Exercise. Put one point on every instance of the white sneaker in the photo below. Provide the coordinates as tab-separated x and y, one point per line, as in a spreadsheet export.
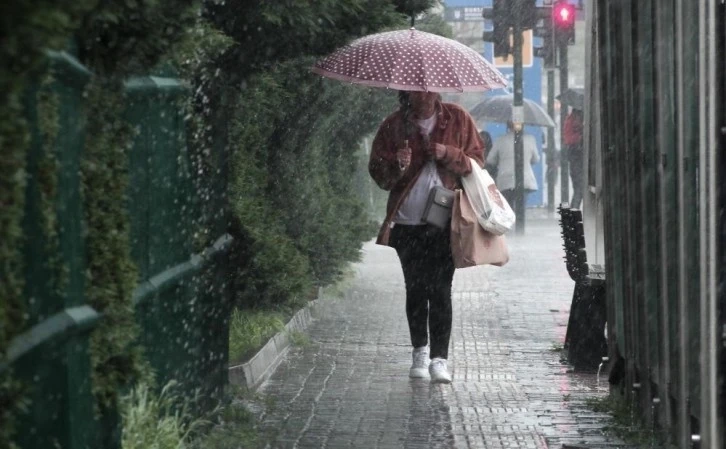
439	371
420	363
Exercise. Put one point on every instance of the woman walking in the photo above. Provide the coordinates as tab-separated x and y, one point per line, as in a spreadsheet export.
425	143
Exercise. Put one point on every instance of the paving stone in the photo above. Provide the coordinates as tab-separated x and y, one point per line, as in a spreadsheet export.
349	388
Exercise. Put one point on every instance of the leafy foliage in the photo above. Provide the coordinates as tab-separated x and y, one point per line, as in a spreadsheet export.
126	37
295	195
277	30
414	7
47	176
111	273
117	39
13	140
292	141
270	267
293	198
26	30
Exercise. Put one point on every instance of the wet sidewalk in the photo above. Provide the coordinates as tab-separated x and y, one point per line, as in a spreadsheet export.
349	387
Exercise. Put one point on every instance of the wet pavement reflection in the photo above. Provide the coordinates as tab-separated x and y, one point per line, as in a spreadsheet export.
349	386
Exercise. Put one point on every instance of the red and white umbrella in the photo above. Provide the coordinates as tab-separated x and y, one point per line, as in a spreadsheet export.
411	60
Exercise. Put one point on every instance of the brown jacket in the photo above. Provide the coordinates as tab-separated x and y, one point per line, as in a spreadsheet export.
454	128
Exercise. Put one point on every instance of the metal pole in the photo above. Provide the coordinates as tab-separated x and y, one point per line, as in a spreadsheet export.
708	174
564	164
551	150
517	119
683	409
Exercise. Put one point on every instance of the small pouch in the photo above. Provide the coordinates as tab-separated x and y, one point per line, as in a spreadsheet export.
438	207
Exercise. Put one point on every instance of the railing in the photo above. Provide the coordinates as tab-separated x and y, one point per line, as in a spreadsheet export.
182	300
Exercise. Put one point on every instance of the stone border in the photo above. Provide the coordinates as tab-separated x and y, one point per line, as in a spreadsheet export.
254	372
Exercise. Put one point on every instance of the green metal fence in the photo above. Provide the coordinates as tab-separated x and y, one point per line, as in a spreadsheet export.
182	300
659	110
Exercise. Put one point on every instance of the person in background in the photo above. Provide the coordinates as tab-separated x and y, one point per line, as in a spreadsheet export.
423	144
486	138
572	138
502	156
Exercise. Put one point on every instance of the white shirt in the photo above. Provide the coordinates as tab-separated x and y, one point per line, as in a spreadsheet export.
412	208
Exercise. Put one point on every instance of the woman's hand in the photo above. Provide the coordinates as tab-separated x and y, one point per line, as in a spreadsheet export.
437	150
403	155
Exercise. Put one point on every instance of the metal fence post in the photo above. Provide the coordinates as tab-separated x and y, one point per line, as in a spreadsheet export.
51	357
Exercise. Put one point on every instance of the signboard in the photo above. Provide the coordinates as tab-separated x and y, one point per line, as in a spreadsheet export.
527	52
464	14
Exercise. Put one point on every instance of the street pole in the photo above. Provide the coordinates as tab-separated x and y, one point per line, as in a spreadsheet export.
551	150
517	119
564	163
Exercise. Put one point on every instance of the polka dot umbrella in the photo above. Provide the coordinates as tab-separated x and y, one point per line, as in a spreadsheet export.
411	60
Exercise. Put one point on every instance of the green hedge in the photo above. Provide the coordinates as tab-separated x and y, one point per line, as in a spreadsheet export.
28	29
117	39
299	216
113	39
296	199
291	140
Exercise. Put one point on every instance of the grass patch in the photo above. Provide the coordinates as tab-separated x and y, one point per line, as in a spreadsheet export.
249	330
233	428
160	421
626	423
299	339
164	421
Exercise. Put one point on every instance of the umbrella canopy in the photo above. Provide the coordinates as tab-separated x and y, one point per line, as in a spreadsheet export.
499	109
574	97
411	60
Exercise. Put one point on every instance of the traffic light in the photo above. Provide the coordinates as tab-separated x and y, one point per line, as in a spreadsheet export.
500	15
547	52
563	19
530	13
544	29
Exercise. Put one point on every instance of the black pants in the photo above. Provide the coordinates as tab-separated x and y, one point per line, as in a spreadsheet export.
428	270
575	160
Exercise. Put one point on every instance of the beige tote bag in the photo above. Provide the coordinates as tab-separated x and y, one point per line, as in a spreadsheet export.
470	244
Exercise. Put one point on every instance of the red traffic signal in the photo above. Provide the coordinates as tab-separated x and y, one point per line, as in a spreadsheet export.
564	15
563	19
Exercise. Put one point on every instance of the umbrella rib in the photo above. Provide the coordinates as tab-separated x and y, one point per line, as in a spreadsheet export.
453	70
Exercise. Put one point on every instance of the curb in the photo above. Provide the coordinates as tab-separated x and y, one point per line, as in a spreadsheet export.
253	373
